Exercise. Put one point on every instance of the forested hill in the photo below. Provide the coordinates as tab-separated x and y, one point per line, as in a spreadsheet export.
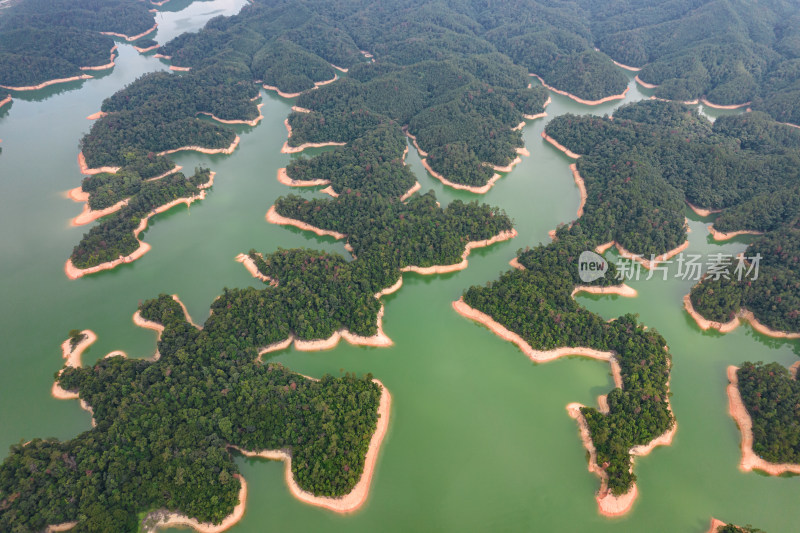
642	166
43	40
164	427
728	51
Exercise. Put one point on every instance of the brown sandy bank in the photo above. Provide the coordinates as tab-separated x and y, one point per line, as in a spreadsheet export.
750	461
131	37
74	272
358	496
560	146
477	190
445	269
274	218
743	315
581	100
722	236
47	83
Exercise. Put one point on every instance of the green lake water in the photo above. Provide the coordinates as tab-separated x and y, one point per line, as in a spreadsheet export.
479	438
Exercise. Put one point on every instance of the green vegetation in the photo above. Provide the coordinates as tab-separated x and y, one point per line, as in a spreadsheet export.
114	236
728	52
42	40
771	396
372	164
384	231
536	303
163	427
773	296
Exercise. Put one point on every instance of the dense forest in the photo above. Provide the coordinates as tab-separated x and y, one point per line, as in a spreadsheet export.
727	52
536	303
43	40
113	236
772	398
371	164
641	167
163	427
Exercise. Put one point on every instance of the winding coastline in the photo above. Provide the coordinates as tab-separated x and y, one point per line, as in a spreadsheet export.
286	149
738	411
353	500
47	83
317	84
251	267
446	269
253	122
284	179
74	272
722	236
742	315
131	37
229	150
701	212
274	218
581	100
560	146
477	190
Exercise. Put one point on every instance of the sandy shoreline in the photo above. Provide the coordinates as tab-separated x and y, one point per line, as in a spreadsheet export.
47	83
581	100
95	116
620	290
132	37
379	340
148	49
274	218
317	85
228	150
57	528
74	272
699	211
251	267
253	122
173	519
89	215
445	269
560	146
72	358
176	68
108	65
537	356
413	138
715	525
358	496
298	109
644	83
738	411
477	190
646	263
284	179
742	315
720	106
722	236
92	171
4	101
286	149
626	67
410	192
581	188
608	504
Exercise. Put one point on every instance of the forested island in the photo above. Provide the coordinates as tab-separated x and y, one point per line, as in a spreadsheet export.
204	394
535	303
50	41
764	400
642	167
